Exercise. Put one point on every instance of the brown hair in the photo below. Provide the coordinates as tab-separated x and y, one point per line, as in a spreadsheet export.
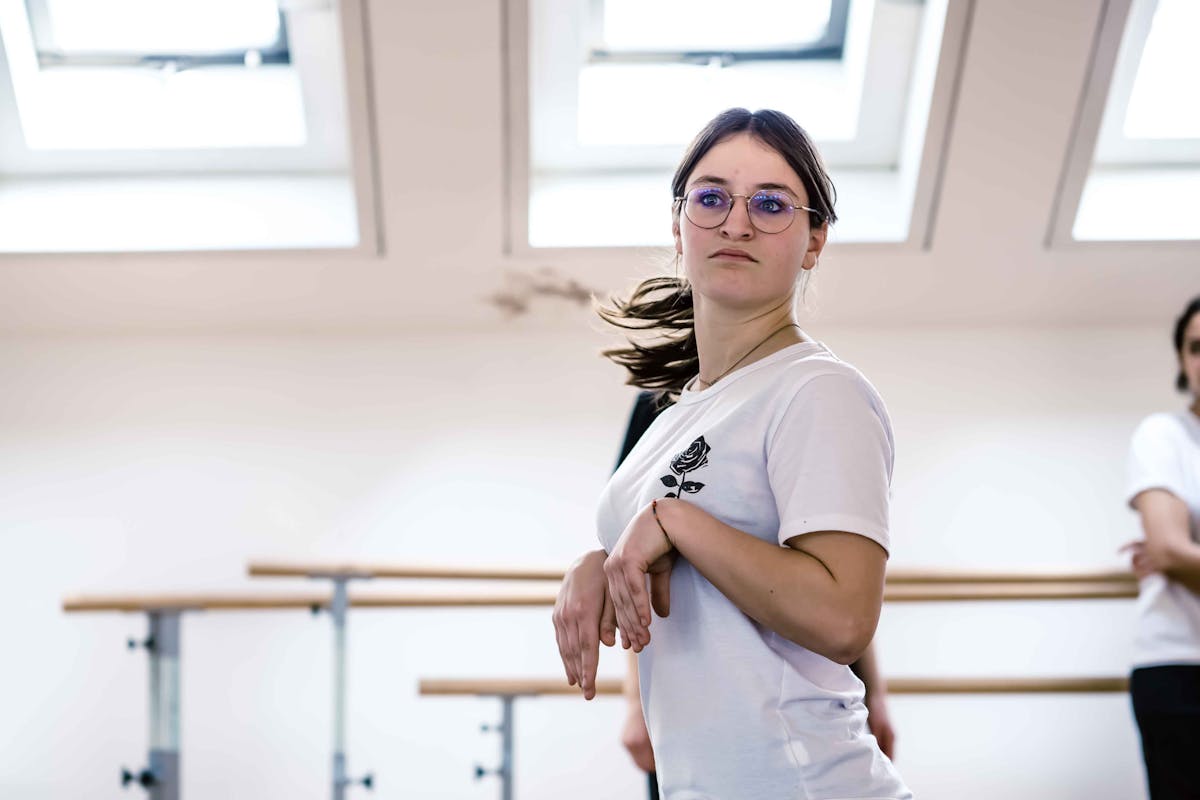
1185	319
663	305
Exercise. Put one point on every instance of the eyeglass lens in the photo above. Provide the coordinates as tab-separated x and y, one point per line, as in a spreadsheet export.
771	211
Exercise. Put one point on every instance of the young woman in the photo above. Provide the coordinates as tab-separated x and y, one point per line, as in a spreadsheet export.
745	536
1164	488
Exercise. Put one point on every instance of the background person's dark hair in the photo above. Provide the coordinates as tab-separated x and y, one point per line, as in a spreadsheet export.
1185	319
663	306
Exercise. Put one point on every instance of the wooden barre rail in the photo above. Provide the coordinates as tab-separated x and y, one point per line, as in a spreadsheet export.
292	569
309	600
288	569
516	687
935	592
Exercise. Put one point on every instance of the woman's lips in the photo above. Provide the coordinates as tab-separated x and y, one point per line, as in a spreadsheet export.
733	255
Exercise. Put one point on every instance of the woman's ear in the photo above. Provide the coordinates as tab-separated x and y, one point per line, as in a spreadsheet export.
816	243
678	237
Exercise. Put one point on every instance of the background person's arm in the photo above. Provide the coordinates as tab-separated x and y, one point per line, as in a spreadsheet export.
634	735
1168	547
878	718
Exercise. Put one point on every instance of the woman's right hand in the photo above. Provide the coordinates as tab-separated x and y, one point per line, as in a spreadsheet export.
636	738
584	617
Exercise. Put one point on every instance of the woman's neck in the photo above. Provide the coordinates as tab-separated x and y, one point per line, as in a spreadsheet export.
729	340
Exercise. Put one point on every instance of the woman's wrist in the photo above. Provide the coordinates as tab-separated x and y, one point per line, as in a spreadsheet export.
669	513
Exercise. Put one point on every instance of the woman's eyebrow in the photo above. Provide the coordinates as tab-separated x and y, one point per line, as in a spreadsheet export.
723	182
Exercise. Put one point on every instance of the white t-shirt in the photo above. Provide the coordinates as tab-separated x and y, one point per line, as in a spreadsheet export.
796	442
1165	454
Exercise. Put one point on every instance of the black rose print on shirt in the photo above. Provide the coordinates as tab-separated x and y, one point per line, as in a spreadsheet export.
690	460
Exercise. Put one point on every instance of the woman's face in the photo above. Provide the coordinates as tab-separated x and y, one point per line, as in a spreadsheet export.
1189	355
734	264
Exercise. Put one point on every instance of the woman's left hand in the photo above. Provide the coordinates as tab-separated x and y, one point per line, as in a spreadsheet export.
642	550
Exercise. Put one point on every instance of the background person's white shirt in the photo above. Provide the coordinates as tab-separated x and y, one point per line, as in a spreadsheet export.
1165	454
794	443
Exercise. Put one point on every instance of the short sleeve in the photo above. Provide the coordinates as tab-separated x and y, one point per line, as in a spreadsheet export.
829	460
1155	460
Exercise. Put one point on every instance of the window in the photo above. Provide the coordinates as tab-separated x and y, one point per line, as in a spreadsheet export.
612	90
184	75
244	102
1135	168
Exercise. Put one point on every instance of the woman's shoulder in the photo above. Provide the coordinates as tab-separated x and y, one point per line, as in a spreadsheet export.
820	370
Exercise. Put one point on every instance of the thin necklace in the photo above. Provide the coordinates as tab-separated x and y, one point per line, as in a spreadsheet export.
708	383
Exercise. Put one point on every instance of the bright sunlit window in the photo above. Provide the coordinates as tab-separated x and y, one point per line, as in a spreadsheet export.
687	26
152	74
149	125
617	88
1148	145
150	27
1163	103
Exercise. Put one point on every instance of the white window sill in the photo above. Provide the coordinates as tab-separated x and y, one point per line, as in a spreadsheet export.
634	209
75	215
1139	205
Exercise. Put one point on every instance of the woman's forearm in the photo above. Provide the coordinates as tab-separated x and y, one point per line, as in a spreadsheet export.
1166	523
826	608
1181	562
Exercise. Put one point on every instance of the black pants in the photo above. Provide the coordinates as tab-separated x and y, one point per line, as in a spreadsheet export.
1166	704
653	780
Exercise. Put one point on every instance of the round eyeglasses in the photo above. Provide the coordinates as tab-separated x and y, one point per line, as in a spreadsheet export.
770	210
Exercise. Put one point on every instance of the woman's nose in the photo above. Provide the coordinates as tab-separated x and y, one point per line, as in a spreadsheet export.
738	225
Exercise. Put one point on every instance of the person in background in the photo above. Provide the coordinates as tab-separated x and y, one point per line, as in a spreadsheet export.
1164	489
634	736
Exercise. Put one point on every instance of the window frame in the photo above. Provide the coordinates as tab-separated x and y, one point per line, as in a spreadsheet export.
924	175
1109	47
1113	147
49	53
351	29
830	47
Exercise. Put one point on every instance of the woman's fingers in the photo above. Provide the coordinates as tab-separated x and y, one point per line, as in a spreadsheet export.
572	635
588	657
660	593
608	622
560	637
621	607
635	579
623	583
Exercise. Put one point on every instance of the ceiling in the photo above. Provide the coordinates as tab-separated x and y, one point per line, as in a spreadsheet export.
439	117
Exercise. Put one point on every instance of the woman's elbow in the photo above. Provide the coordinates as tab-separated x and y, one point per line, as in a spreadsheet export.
843	642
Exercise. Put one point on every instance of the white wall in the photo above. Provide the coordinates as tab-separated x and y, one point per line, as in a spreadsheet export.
164	462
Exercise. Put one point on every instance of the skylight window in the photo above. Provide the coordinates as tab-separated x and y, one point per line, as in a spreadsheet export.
689	27
1140	110
152	74
153	125
607	93
1166	76
145	27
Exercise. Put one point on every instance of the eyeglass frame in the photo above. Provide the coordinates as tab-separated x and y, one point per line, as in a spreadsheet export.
746	198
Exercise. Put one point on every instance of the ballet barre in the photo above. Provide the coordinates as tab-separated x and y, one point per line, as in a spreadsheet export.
368	570
536	687
361	570
164	613
509	690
